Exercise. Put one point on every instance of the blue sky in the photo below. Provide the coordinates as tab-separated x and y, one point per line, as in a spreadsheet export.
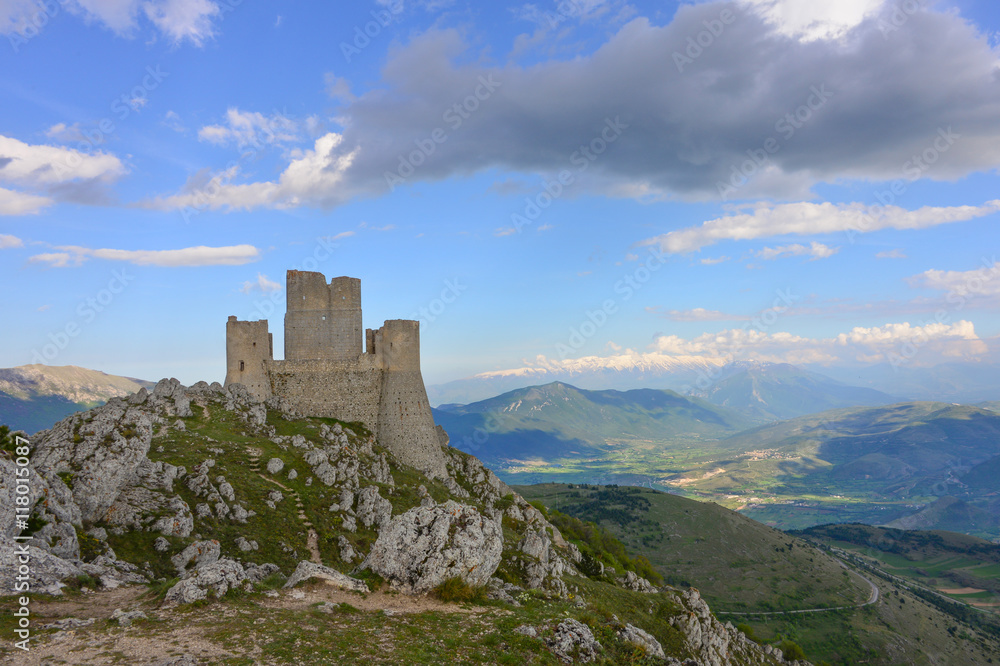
538	183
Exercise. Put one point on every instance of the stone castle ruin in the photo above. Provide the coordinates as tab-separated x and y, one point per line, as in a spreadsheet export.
327	373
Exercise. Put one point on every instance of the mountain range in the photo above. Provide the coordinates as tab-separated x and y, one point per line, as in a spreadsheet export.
955	382
34	397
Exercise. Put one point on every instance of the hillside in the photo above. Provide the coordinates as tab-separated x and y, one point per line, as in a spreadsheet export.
873	465
963	567
739	564
560	421
233	511
35	397
777	391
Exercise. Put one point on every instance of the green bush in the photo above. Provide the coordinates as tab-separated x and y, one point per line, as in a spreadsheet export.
791	650
458	591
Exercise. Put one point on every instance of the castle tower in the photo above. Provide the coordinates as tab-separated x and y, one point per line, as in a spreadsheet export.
249	347
323	321
405	424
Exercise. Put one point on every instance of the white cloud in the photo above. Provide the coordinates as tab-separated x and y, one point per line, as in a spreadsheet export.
39	165
809	20
814	250
8	241
262	284
983	281
805	218
713	261
52	173
313	177
19	203
177	19
891	254
245	128
183	19
925	344
73	255
172	119
697	314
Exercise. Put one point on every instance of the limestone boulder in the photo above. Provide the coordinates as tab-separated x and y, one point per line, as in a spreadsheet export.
642	639
420	549
216	578
306	570
572	642
373	509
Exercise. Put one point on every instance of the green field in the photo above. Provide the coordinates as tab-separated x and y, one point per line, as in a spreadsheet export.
744	568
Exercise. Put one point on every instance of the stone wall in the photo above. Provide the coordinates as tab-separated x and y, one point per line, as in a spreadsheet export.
249	347
346	390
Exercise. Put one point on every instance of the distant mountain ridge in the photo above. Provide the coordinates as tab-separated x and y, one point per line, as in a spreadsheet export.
778	391
559	420
34	397
622	372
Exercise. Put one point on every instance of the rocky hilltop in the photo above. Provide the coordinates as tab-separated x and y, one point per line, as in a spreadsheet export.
208	495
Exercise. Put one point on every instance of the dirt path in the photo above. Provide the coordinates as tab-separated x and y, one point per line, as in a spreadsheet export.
312	538
187	636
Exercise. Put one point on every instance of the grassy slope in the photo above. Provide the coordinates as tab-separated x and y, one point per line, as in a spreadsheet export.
736	563
248	625
705	540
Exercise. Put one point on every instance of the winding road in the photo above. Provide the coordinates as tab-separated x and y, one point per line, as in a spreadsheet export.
871	599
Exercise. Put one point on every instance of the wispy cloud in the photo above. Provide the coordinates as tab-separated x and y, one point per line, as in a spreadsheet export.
74	255
179	20
806	218
261	284
936	341
246	128
8	241
813	250
891	254
696	314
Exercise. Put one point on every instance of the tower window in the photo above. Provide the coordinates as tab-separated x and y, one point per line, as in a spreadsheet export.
241	366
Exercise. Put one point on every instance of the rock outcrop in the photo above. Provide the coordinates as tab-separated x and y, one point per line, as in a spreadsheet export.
425	546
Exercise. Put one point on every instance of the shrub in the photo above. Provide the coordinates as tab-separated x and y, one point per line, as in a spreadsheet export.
458	591
791	650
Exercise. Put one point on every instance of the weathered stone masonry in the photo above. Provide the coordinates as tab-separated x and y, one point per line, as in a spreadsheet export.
327	373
